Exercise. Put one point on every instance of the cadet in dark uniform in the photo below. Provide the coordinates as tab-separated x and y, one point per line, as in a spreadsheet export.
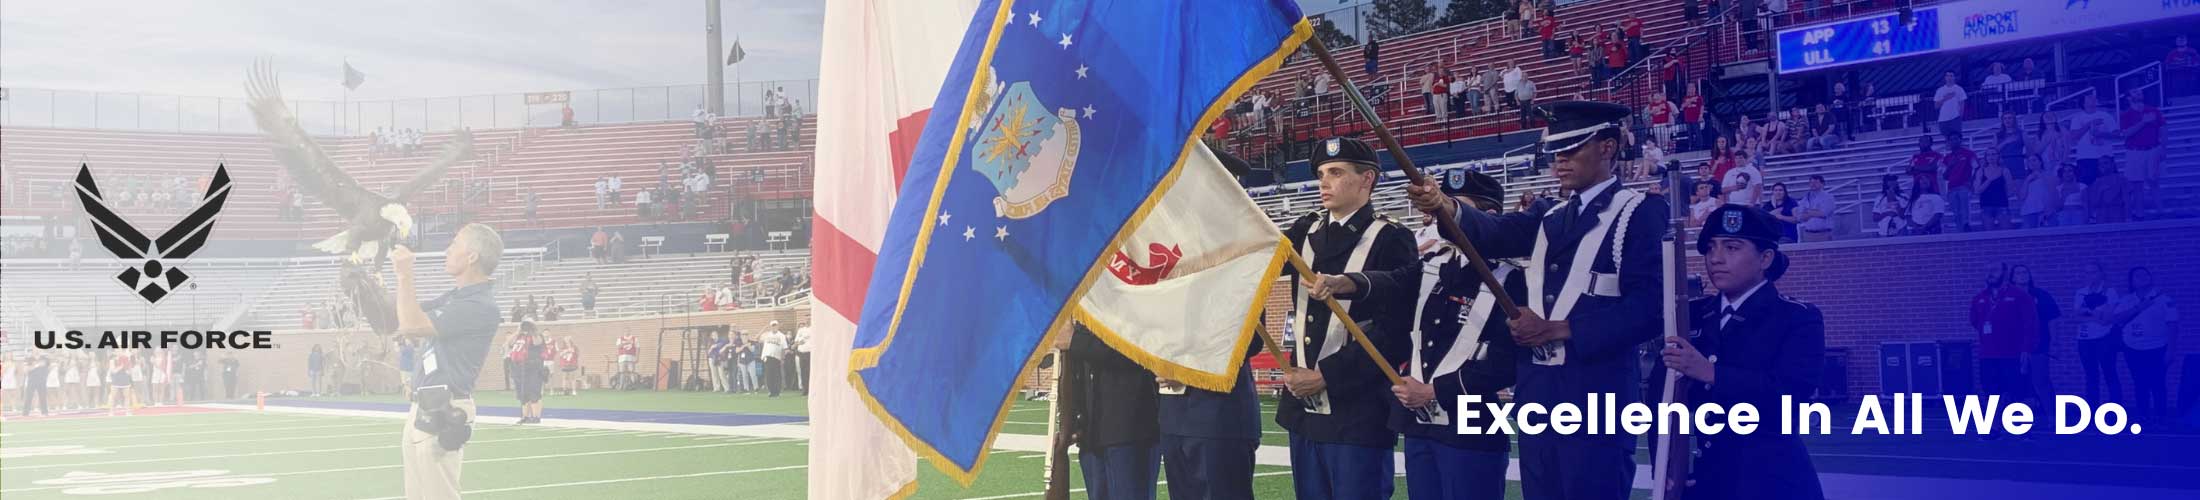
1112	418
1747	345
1594	272
1339	401
1208	438
1460	346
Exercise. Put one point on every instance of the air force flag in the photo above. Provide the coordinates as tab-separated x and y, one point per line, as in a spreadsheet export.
1060	125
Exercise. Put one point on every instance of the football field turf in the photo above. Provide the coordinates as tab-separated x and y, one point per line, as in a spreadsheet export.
686	445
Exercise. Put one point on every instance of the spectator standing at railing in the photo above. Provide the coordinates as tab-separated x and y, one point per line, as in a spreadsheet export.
1692	117
1949	99
2181	75
589	291
1996	79
1925	164
1510	84
1526	99
1670	72
1371	52
2042	196
1866	107
599	246
1617	54
1844	111
1991	183
2107	198
1546	29
1632	27
1524	12
2073	194
1427	84
1814	210
603	193
1662	115
1464	100
1744	184
2092	129
2012	147
1441	87
2143	138
1956	168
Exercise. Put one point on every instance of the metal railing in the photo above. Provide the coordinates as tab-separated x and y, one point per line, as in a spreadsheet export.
37	107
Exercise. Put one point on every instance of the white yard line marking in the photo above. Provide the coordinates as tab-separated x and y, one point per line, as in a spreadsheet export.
623	480
230	431
275	453
492	460
110	425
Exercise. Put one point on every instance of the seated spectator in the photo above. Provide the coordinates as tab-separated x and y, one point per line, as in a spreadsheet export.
1891	211
1825	130
1926	210
1783	209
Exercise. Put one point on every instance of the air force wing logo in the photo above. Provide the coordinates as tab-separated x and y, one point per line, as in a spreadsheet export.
1027	151
150	278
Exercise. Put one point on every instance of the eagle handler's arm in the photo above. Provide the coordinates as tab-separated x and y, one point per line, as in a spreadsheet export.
412	321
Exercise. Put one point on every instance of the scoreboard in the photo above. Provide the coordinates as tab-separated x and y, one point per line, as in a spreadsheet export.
1960	25
1860	40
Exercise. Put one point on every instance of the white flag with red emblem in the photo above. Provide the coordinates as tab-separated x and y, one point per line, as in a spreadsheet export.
880	68
1183	295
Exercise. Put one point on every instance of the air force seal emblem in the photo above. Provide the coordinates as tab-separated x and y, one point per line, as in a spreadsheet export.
1027	151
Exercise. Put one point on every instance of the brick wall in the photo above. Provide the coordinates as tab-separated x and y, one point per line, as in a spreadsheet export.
1919	288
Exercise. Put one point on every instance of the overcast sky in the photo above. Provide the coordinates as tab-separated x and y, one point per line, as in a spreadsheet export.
407	48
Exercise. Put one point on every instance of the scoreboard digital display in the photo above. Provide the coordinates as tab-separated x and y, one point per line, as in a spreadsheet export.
1859	40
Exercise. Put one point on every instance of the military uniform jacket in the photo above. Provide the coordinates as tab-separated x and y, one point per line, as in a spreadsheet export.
1200	413
1454	360
1390	272
1611	300
1771	347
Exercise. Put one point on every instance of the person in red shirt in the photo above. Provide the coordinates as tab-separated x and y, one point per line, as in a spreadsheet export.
1617	53
1670	72
1546	28
2007	321
1661	120
2183	68
629	351
1692	116
1633	28
2142	126
1925	166
709	302
569	363
1956	169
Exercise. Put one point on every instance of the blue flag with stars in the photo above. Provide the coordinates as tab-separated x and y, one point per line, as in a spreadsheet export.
1058	128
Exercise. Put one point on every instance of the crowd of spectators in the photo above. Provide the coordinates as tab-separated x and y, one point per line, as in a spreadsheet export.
402	142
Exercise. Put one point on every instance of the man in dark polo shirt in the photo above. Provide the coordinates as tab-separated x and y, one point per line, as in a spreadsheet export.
458	327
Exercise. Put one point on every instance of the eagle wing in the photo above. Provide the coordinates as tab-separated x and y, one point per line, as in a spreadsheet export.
310	167
461	148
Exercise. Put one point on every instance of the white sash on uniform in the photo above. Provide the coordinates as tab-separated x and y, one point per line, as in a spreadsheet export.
1332	338
1579	279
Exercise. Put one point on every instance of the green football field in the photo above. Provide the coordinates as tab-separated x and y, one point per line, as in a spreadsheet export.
232	452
